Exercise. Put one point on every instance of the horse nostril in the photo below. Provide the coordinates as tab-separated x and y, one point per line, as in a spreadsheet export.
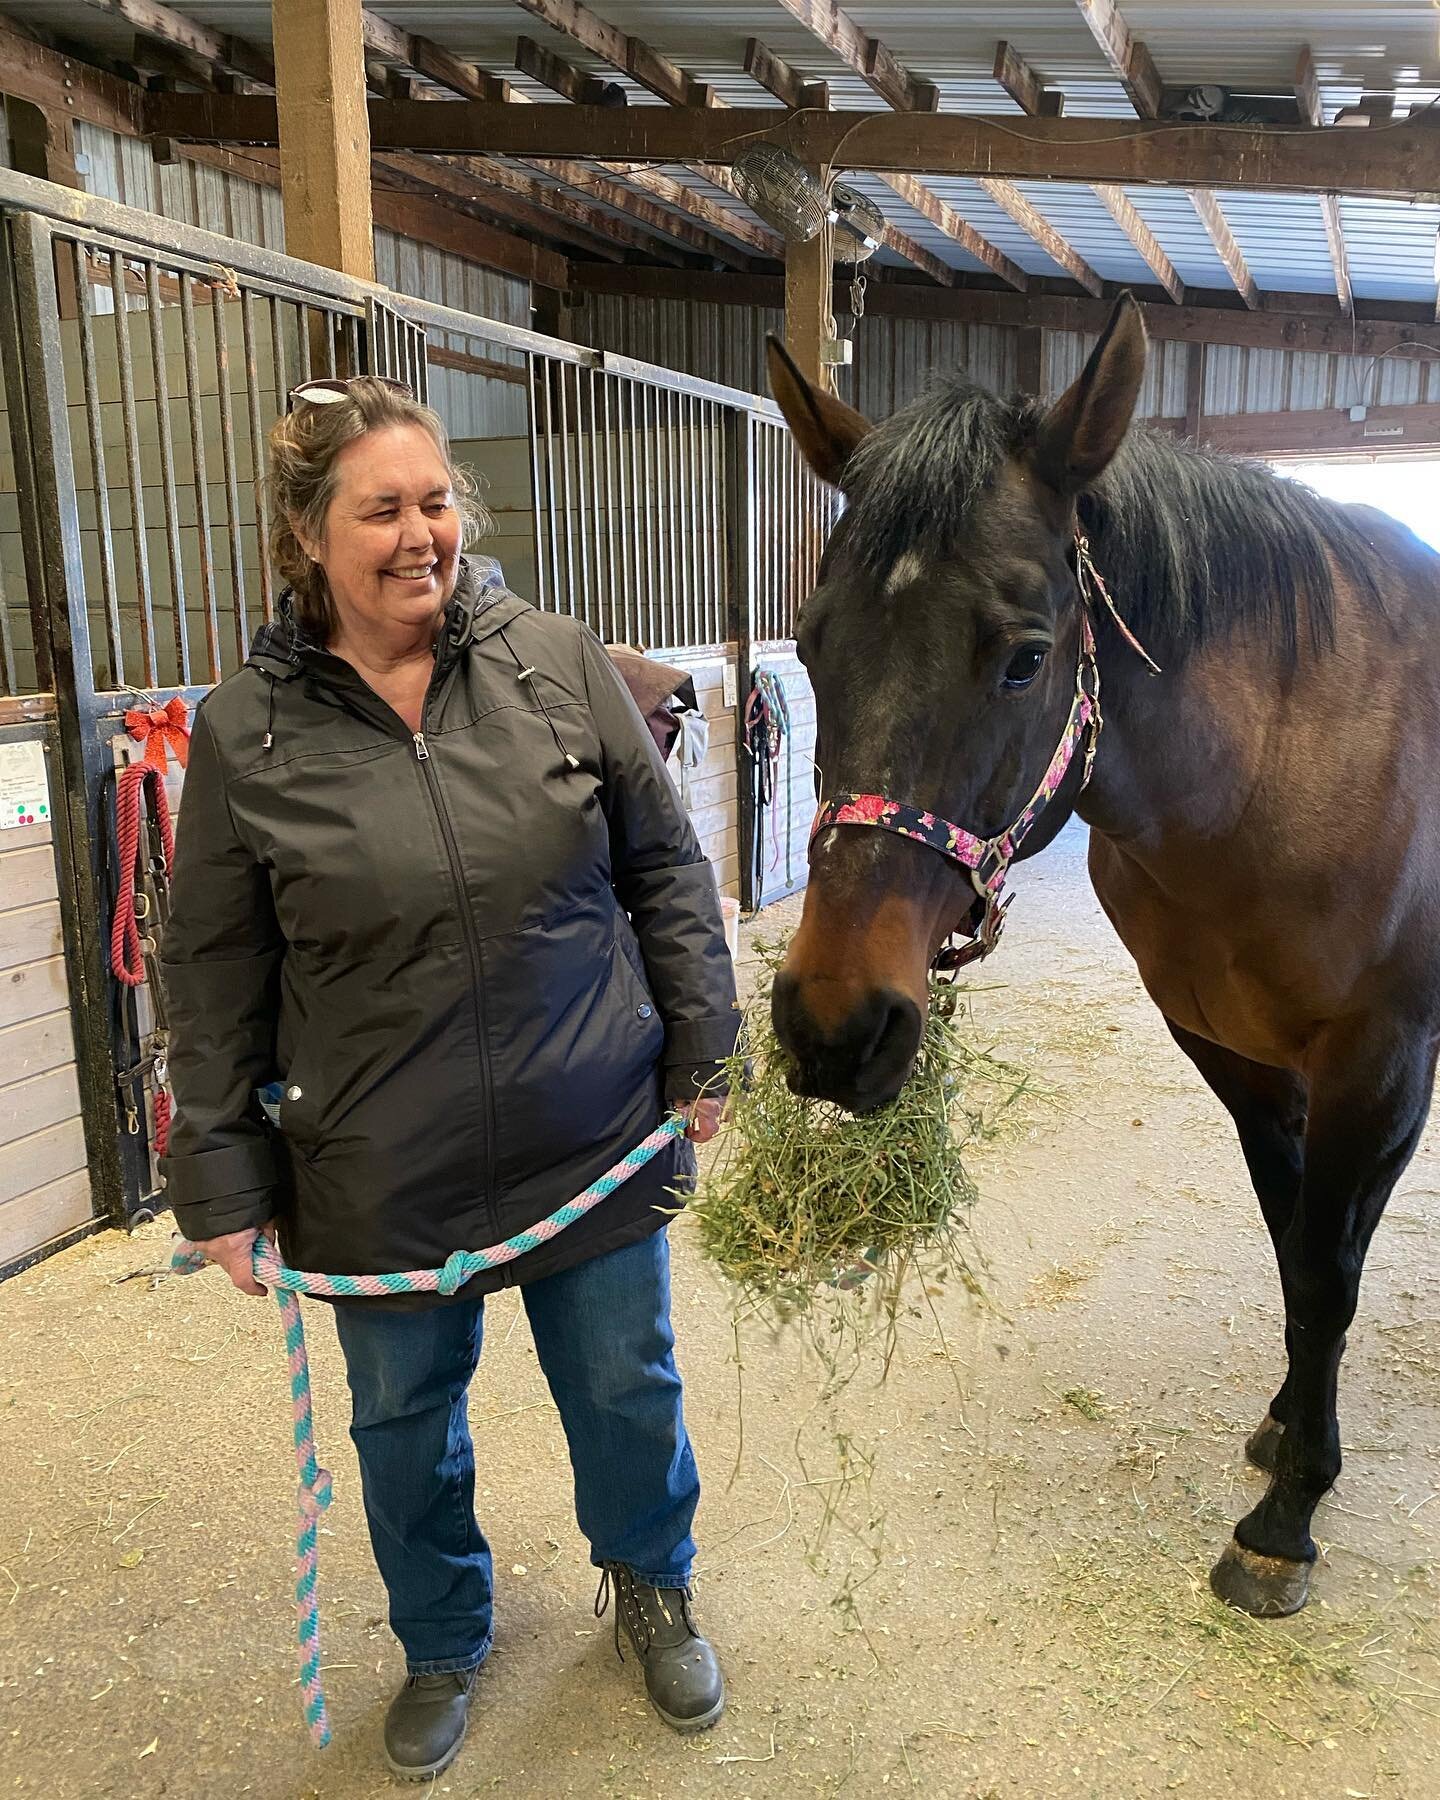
863	1059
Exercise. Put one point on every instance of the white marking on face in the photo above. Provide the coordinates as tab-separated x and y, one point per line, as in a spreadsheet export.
907	568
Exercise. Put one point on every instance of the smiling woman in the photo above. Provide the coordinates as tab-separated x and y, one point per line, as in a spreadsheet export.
435	886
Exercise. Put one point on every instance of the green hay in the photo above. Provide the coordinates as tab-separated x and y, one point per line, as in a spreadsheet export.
804	1199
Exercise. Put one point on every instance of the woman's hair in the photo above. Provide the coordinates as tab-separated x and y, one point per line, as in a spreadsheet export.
304	447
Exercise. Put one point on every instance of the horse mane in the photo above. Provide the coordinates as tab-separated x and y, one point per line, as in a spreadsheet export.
1190	543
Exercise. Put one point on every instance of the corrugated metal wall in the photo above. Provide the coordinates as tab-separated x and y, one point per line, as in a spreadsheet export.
894	358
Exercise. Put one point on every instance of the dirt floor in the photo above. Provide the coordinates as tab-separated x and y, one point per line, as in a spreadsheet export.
1039	1623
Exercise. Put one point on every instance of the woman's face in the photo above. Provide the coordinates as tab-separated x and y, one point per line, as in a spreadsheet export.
391	544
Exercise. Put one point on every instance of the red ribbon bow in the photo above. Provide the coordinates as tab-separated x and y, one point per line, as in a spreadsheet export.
159	727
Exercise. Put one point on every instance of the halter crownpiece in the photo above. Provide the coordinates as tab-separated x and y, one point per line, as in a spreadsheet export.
988	860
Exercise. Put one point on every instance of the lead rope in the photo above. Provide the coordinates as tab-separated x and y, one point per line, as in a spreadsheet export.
315	1487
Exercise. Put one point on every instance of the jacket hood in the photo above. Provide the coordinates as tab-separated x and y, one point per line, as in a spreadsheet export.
480	605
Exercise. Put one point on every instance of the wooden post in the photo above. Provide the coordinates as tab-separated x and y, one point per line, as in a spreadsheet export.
324	133
42	143
809	273
1030	360
1195	392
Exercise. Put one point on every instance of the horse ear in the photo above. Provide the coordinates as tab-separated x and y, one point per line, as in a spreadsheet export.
1087	424
826	429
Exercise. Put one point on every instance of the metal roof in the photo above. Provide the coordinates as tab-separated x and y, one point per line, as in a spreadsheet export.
1360	47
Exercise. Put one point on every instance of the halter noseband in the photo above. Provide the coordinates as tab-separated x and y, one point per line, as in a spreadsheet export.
988	860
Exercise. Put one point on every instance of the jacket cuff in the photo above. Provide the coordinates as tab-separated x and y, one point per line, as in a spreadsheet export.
701	1040
685	1082
200	1219
208	1175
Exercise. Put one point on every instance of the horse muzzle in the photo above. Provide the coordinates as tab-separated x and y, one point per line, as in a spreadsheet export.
859	1059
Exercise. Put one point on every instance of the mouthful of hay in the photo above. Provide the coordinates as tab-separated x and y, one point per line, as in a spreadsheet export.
803	1197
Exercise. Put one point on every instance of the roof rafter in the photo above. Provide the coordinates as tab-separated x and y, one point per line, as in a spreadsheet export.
1029	93
1135	66
648	228
1312	111
775	75
895	84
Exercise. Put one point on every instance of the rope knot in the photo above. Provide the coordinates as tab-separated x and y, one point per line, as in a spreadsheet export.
455	1273
316	1495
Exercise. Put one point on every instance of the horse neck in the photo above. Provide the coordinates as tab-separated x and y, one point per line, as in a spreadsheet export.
1178	751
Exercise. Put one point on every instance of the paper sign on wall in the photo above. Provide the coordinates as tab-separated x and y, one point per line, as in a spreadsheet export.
24	787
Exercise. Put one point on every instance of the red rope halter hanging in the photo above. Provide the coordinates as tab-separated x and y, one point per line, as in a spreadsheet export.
156	729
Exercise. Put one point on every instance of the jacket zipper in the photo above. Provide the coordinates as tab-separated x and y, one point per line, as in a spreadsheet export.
472	945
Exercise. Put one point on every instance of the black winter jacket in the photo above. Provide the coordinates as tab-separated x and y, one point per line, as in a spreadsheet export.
479	958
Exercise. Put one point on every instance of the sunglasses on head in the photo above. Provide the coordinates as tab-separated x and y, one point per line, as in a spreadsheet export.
327	391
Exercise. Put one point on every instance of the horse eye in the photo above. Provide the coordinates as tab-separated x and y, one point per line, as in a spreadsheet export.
1024	666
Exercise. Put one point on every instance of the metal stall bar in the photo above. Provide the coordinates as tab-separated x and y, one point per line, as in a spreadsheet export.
166	441
94	420
257	453
144	607
34	361
239	613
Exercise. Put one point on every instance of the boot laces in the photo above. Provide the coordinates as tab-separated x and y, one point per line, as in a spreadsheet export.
630	1608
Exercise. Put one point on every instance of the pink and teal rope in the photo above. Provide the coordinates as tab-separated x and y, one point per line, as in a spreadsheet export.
287	1284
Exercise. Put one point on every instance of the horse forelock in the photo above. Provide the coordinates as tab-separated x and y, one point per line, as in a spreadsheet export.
1192	543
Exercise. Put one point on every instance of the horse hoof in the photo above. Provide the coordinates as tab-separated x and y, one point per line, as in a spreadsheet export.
1263	1444
1266	1587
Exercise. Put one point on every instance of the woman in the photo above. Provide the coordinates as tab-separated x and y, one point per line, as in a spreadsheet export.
433	878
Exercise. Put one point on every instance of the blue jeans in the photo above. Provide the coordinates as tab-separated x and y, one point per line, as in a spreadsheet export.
602	1333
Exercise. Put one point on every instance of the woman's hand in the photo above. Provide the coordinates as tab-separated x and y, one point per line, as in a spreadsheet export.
232	1253
702	1118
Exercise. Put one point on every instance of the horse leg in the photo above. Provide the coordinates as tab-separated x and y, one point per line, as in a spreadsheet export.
1268	1107
1367	1109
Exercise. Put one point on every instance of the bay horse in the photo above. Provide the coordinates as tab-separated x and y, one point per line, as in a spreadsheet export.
1264	830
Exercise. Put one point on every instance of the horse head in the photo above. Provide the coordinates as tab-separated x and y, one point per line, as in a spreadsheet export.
942	642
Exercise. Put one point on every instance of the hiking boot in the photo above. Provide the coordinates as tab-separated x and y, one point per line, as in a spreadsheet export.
682	1673
425	1725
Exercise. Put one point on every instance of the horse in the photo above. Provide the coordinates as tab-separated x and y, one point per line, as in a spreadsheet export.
1236	685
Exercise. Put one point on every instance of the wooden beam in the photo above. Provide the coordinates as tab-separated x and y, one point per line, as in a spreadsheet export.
564	78
776	76
167	26
1385	431
1230	253
808	278
1122	210
675	196
512	194
325	133
773	73
944	217
1008	197
884	71
638	60
1127	57
914	253
42	142
1397	164
1307	88
414	215
866	55
1194	391
54	82
1312	112
1285	322
1030	360
1024	86
1133	63
401	48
